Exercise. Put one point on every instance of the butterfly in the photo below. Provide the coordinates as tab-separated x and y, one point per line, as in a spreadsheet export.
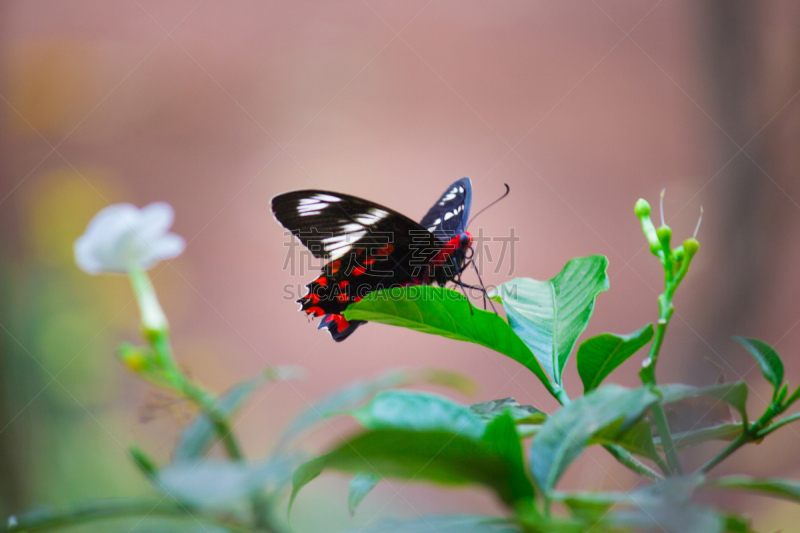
368	247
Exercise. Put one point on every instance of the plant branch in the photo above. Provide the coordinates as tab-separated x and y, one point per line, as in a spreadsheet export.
90	511
627	459
752	433
769	429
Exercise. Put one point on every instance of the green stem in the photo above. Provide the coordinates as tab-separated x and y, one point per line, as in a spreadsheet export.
91	511
648	375
754	432
156	330
222	427
734	445
769	429
625	458
673	461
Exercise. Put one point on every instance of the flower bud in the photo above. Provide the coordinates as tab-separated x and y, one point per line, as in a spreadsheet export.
134	358
690	247
642	208
664	234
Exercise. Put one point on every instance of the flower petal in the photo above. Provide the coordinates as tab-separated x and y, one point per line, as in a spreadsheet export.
154	220
121	237
166	247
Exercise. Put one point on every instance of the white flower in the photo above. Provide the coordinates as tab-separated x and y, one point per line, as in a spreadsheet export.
122	237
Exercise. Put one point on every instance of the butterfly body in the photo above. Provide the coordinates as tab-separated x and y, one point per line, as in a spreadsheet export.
369	247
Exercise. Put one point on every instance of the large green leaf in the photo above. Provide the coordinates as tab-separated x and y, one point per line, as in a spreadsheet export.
767	358
223	484
598	356
779	488
352	396
695	437
734	394
495	461
522	414
197	437
419	411
607	414
359	487
550	315
665	507
444	312
443	524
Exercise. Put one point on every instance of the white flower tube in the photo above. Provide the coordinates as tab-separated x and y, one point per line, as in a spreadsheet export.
122	238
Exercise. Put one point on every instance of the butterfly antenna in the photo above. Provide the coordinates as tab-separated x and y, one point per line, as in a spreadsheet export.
508	189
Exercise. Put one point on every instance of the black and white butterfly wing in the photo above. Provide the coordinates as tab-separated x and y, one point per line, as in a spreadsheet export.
331	224
449	215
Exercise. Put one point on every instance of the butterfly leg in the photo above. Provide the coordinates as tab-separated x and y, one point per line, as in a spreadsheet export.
483	287
462	285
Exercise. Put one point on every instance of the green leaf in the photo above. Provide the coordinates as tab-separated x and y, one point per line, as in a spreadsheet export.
222	484
360	485
734	394
604	415
598	356
666	507
495	461
197	437
443	524
419	411
776	487
354	395
667	518
693	438
143	461
447	313
522	414
589	504
767	358
737	524
550	315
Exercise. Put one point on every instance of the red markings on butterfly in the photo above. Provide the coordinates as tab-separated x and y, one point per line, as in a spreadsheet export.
341	322
386	250
316	310
313	297
335	265
357	271
321	281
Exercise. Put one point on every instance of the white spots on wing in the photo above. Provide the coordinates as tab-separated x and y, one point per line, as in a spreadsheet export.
348	228
461	190
373	216
327	198
454	212
432	229
450	195
315	204
338	245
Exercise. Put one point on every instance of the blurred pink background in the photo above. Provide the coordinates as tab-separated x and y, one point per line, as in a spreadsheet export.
581	107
